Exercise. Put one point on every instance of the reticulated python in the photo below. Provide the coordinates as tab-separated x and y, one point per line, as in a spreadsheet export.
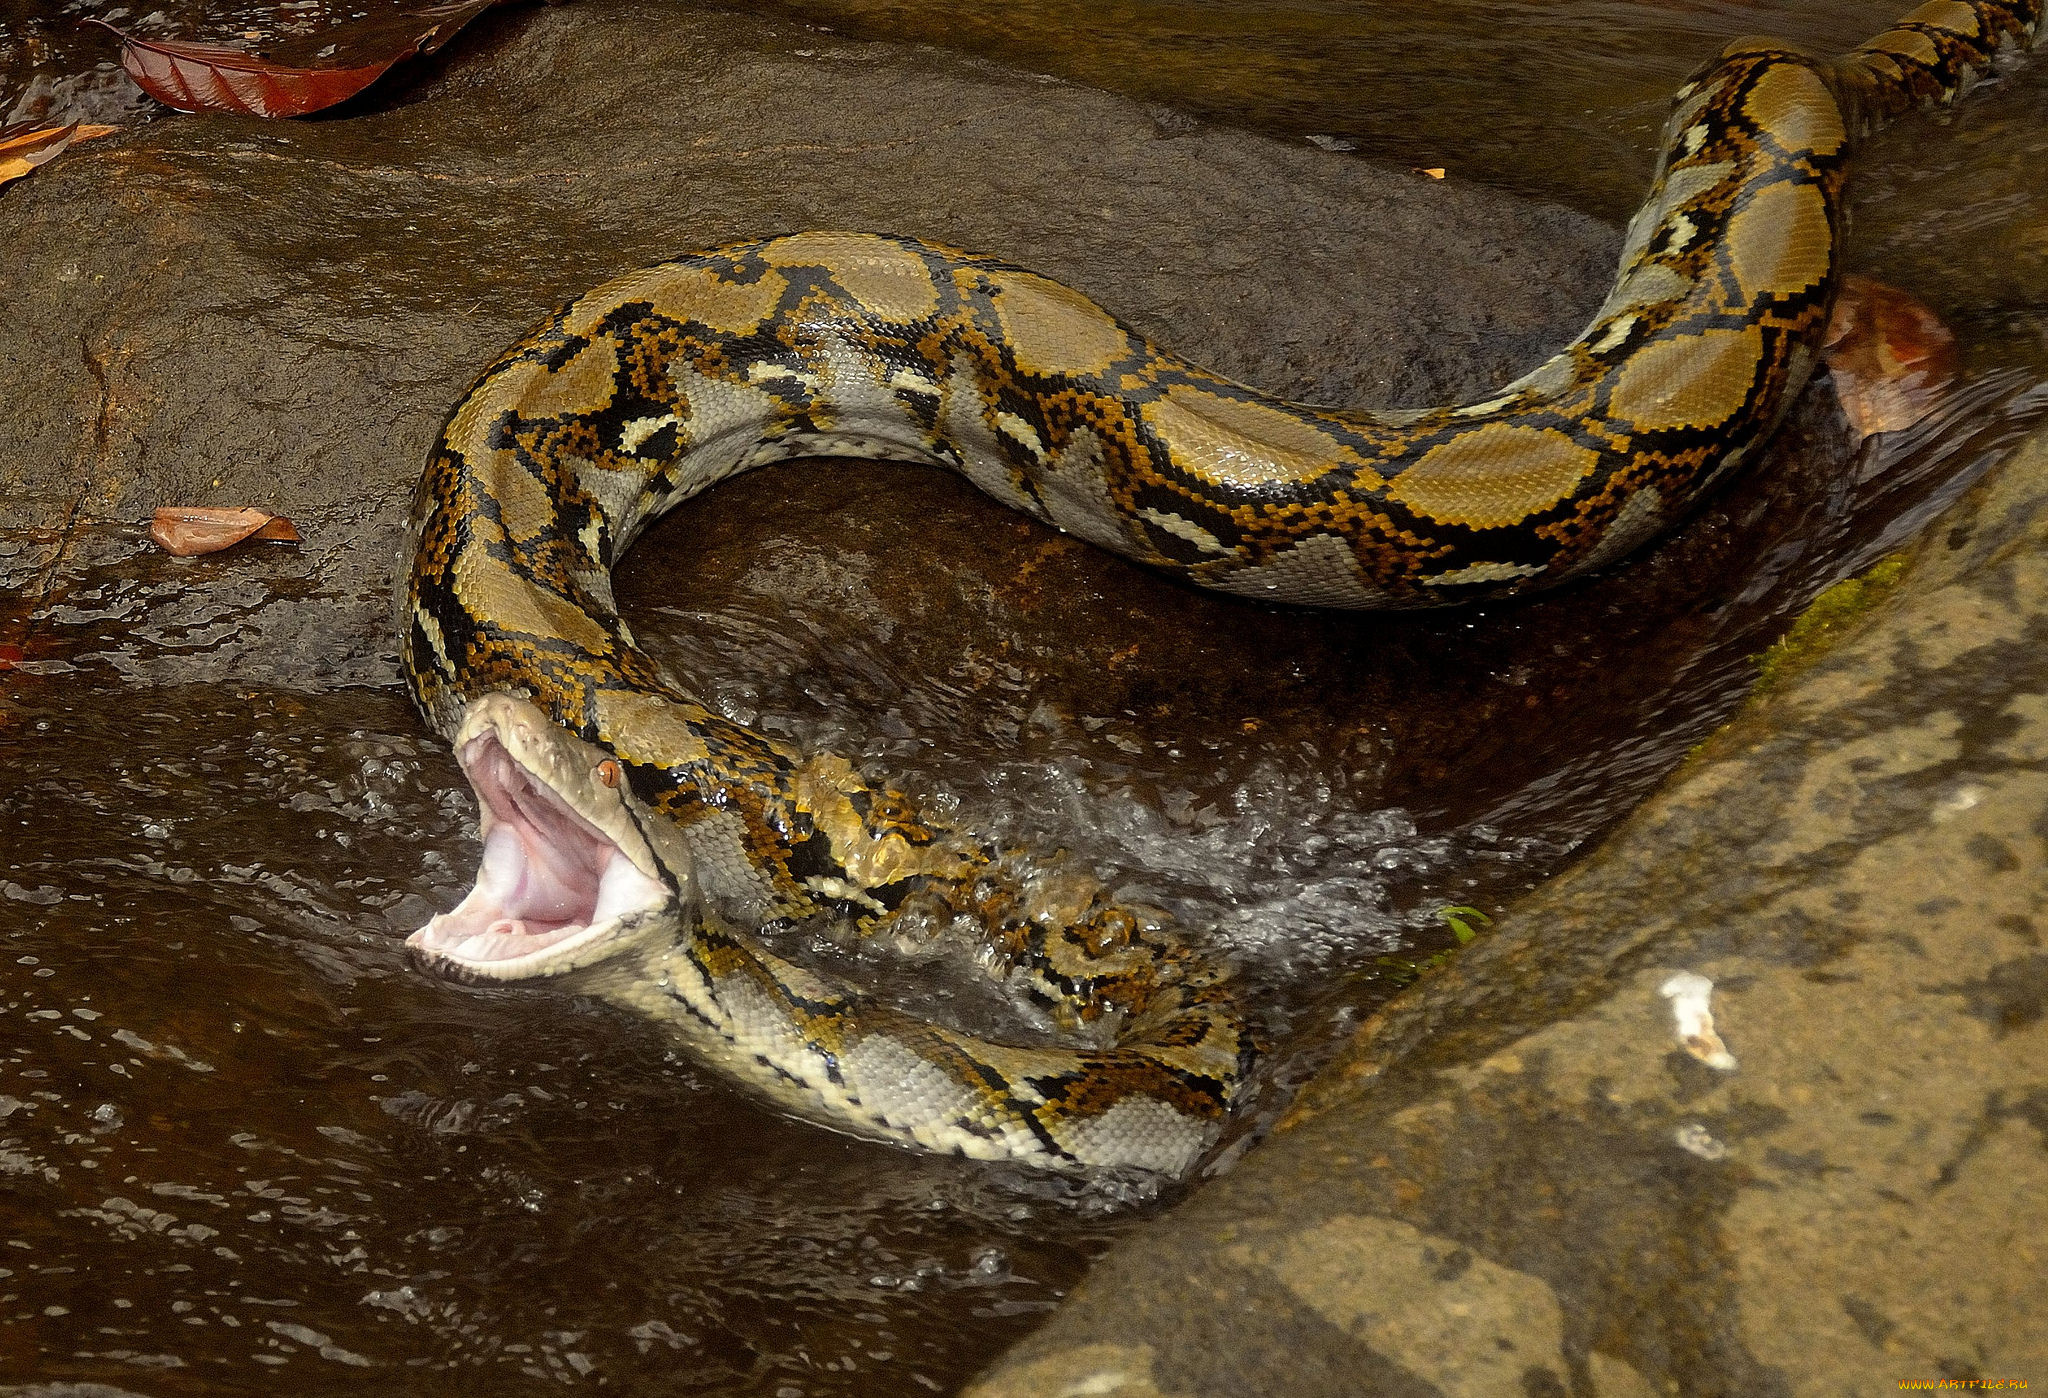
622	817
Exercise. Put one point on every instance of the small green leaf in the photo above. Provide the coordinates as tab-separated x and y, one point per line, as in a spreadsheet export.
1455	918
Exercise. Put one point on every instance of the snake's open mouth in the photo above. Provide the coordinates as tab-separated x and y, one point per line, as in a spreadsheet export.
550	882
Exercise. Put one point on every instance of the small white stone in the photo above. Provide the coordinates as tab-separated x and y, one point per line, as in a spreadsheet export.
1963	798
1695	1138
1691	998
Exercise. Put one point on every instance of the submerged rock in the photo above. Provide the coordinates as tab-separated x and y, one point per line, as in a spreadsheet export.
224	311
1544	1172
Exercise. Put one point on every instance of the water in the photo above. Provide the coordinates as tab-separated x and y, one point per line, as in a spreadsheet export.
237	1135
244	1149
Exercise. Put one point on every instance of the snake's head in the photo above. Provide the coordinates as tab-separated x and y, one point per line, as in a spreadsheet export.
569	875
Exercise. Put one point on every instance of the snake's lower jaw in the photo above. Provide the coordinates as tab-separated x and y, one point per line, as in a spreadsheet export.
555	890
583	947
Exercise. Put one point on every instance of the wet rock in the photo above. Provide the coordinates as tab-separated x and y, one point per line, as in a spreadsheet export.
214	310
1534	1175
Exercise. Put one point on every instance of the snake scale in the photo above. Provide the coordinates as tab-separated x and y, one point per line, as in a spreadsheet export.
631	832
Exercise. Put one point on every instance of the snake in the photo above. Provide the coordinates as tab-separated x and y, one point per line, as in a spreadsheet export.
646	845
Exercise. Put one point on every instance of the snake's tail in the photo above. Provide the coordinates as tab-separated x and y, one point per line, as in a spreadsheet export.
1930	58
1089	956
1081	952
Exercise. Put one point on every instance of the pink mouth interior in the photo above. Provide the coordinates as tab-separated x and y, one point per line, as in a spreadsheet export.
547	873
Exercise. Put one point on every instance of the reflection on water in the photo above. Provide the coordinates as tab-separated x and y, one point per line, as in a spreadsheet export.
245	1150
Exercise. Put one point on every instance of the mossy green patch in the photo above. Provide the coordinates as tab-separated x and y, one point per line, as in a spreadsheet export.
1823	622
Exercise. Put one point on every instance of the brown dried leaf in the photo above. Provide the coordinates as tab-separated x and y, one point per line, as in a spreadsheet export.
185	530
25	146
278	531
302	75
1891	358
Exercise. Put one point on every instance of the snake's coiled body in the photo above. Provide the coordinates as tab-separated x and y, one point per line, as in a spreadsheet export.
655	386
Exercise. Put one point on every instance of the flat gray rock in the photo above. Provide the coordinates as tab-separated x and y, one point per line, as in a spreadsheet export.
1519	1180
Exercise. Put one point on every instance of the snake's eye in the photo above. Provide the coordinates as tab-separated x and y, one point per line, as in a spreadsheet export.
608	772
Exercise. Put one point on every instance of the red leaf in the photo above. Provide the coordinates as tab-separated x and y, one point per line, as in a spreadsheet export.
217	78
1891	358
287	81
185	530
10	656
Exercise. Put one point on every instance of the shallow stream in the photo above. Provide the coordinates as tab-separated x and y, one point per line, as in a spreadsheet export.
244	1149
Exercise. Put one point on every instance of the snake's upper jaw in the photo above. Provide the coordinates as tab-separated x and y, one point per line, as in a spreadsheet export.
566	878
